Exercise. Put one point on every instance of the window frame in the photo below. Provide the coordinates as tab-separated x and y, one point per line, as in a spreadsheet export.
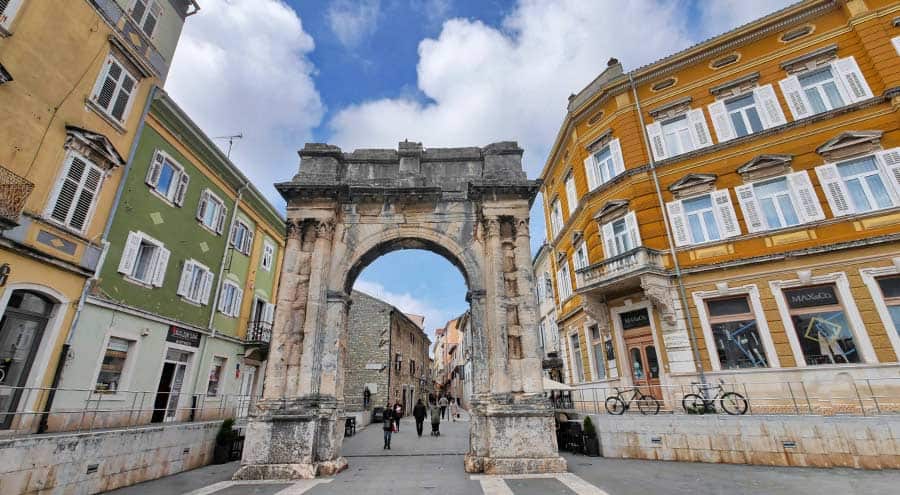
571	192
246	242
819	89
61	179
268	254
160	261
682	133
556	217
598	364
107	111
149	8
178	185
564	281
125	373
711	211
578	364
207	197
233	308
870	277
204	287
220	376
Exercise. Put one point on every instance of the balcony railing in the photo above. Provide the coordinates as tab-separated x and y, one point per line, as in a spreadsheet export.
259	332
14	191
638	260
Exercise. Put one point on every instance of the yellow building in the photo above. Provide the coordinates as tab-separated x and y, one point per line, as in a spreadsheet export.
74	86
731	212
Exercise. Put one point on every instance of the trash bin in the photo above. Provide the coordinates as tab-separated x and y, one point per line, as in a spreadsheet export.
378	415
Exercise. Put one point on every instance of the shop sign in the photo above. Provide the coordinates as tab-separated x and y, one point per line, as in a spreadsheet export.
635	319
183	336
807	297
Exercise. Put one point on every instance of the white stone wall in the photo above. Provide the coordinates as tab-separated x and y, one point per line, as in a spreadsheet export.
58	463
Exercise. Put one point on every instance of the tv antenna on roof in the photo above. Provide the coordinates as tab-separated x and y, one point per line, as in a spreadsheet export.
231	139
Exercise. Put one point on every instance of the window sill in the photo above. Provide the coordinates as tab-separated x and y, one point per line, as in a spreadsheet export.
138	282
208	228
192	302
65	228
162	197
115	124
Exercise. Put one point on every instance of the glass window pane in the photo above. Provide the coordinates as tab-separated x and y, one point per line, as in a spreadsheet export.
858	195
895	316
599	363
30	302
738	120
637	366
738	345
652	361
816	77
772	219
834	97
165	178
787	209
880	194
698	203
890	286
856	167
825	338
753	117
815	100
730	306
738	103
711	227
696	228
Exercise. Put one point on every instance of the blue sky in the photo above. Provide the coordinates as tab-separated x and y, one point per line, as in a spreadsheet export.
371	73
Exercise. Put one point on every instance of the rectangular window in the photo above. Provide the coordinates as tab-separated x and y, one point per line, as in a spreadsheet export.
564	282
821	89
556	221
837	84
603	165
821	325
621	235
548	283
735	333
746	114
775	201
196	281
398	362
113	365
76	193
581	256
571	193
677	136
211	211
167	178
743	115
865	185
146	14
144	259
701	219
8	10
268	256
215	376
597	350
114	90
778	203
230	299
241	237
861	185
606	167
890	290
576	358
680	134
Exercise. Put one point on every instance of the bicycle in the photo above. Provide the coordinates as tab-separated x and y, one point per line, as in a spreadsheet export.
619	403
733	403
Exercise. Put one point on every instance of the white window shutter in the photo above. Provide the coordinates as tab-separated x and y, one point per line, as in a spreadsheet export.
654	132
728	224
248	242
795	97
154	170
768	107
8	9
855	84
571	193
238	300
590	169
609	240
896	42
699	129
80	217
721	122
224	303
184	284
835	190
202	205
130	252
633	229
159	270
890	162
180	193
805	197
678	223
207	286
220	219
750	207
615	149
269	313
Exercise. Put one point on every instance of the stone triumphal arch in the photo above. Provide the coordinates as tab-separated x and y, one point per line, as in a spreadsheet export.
470	205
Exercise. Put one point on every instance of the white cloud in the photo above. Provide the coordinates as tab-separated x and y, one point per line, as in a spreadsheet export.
434	11
352	21
241	66
435	316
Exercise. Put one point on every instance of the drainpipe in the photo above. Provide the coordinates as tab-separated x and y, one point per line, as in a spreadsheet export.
64	351
662	206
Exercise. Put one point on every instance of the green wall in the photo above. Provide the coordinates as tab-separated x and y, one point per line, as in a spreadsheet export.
237	266
265	280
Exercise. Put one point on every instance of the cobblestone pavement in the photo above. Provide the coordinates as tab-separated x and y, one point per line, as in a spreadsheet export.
434	465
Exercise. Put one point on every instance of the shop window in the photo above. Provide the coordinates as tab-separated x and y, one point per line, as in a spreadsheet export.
571	193
863	184
736	333
890	290
144	259
196	281
76	192
621	235
576	358
241	237
597	350
167	178
605	164
213	388
211	211
821	325
113	365
114	90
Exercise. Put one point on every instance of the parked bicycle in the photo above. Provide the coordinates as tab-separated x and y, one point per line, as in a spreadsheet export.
621	402
732	402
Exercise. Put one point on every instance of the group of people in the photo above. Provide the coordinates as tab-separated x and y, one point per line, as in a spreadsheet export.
437	408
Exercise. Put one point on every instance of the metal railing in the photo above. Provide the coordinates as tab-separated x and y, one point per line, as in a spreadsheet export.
856	397
259	331
639	258
14	191
82	410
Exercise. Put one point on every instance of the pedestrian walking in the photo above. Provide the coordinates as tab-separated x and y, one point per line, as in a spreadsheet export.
443	404
435	419
398	412
388	426
454	411
419	413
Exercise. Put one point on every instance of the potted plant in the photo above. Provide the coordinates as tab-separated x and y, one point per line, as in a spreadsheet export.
591	440
224	442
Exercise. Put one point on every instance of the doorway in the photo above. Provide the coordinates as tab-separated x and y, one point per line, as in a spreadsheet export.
21	329
643	360
171	384
247	387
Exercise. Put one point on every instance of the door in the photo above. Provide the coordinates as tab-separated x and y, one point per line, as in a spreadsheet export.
171	382
643	360
247	395
21	329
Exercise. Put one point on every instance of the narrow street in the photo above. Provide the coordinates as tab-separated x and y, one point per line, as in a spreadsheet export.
434	465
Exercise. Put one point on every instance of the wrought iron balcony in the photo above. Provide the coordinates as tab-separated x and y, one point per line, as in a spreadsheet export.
618	272
259	332
14	191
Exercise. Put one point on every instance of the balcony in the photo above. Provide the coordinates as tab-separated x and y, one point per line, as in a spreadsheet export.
14	191
259	333
621	273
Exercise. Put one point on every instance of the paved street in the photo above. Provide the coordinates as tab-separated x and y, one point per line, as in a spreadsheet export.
435	465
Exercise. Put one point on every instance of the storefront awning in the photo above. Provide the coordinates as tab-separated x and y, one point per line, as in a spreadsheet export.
554	385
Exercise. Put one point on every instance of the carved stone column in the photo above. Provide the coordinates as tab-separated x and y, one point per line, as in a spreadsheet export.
531	360
495	324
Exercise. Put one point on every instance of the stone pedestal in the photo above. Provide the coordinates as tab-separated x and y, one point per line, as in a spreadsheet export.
293	439
513	436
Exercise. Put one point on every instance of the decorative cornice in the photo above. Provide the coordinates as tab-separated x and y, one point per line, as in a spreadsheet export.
734	83
669	106
828	52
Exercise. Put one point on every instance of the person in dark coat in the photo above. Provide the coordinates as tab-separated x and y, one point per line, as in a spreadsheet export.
388	422
419	413
398	413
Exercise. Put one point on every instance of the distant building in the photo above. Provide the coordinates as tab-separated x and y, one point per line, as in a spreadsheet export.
548	332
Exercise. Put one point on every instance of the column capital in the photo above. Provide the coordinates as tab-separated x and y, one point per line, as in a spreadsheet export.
324	229
522	227
491	226
293	229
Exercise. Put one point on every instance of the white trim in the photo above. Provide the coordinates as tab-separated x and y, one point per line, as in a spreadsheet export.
574	377
186	385
61	178
762	325
869	277
268	246
842	286
212	362
622	354
98	86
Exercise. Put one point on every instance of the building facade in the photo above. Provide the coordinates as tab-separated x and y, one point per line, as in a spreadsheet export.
549	333
387	359
731	211
177	325
75	80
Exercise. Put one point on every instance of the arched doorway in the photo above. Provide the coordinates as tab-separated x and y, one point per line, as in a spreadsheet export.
471	206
